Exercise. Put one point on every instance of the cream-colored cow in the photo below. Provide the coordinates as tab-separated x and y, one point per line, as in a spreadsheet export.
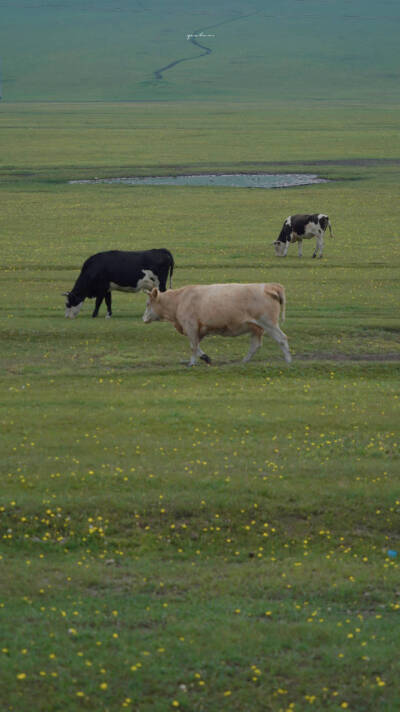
224	309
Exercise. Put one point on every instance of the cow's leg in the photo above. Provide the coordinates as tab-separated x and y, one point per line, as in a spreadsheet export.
162	278
319	248
99	300
203	356
300	248
194	345
285	251
276	333
108	304
255	343
197	352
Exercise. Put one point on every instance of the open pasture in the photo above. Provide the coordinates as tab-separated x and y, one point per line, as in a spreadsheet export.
94	50
217	538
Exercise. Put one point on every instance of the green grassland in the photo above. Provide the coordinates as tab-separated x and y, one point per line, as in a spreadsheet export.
98	50
214	538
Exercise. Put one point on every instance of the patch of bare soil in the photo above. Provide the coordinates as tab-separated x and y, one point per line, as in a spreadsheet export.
338	356
339	162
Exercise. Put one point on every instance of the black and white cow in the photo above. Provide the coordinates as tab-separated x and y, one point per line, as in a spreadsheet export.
297	228
122	271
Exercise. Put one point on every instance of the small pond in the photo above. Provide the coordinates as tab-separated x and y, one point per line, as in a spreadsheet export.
238	180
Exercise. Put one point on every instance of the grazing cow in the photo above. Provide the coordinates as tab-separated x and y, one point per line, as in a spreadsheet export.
297	228
225	309
122	271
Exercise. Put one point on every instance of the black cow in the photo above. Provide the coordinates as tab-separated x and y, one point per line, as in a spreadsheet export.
297	228
122	271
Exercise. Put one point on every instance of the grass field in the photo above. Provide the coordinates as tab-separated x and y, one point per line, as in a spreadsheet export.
99	50
208	539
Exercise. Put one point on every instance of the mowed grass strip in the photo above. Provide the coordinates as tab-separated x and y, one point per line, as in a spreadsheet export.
217	538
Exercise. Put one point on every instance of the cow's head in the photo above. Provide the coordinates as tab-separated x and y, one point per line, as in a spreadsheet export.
279	248
150	313
73	305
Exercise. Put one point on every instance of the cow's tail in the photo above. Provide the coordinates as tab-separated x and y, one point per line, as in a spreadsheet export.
330	228
277	291
171	269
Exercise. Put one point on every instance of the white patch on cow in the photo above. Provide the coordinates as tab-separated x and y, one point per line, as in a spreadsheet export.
311	229
117	288
149	280
72	312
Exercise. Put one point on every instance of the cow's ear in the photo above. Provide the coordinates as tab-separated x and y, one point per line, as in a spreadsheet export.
154	293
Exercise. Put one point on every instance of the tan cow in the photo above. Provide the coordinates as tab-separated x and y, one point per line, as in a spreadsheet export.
223	309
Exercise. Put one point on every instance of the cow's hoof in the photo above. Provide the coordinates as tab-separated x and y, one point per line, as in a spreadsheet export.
108	316
206	358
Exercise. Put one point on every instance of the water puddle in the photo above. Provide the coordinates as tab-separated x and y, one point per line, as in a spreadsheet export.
234	180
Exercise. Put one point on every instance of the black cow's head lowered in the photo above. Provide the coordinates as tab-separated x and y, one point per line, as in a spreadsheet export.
73	304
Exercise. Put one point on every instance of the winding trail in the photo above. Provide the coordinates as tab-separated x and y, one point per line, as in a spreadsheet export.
192	37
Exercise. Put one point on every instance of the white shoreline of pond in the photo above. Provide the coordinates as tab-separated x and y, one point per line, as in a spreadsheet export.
226	180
